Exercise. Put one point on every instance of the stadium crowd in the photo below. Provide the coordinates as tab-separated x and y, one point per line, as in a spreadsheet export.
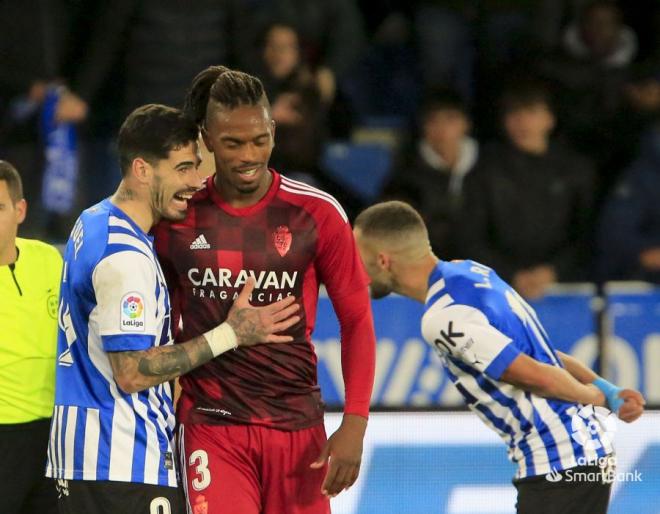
524	131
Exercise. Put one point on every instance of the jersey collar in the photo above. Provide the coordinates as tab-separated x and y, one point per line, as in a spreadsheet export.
217	198
116	211
434	277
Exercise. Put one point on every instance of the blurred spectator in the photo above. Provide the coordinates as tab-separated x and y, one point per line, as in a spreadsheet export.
332	41
162	44
29	286
550	19
331	34
34	41
629	232
528	204
446	43
296	104
431	174
298	111
134	52
387	82
639	112
589	73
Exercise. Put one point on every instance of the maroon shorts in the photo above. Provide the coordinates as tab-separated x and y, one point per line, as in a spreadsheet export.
249	469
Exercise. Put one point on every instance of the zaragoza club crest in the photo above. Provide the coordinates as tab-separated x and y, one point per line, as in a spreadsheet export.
282	238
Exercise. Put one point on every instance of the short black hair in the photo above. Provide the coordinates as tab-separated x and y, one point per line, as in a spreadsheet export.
10	175
525	93
442	99
228	88
151	132
390	218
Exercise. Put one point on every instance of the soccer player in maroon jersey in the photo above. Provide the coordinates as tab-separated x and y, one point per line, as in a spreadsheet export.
252	433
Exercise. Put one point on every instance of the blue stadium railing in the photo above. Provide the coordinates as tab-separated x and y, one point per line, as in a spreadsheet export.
616	332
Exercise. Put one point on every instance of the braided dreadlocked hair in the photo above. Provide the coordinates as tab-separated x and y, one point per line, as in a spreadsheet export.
220	85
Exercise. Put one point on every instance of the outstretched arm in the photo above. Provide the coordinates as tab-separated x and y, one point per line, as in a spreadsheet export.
245	326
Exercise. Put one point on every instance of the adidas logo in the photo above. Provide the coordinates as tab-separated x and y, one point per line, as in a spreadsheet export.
200	244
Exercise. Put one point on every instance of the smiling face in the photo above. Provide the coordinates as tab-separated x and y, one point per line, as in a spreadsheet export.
241	141
175	180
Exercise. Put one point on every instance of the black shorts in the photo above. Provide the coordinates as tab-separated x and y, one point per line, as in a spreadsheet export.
105	497
569	494
24	489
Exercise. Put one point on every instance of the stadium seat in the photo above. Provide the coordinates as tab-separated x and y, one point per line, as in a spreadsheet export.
362	168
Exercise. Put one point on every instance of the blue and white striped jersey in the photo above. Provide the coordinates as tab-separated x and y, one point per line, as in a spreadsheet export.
113	298
479	325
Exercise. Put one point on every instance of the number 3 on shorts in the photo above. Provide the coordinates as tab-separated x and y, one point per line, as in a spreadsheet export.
200	459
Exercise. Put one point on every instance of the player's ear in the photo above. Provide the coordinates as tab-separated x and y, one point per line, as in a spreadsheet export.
207	140
384	261
141	170
21	210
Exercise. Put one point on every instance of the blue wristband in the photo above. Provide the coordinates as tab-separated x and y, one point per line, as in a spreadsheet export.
611	393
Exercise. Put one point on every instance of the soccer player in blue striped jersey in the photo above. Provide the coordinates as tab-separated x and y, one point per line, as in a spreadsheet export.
111	443
499	357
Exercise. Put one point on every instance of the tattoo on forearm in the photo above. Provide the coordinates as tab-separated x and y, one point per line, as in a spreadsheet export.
245	323
162	363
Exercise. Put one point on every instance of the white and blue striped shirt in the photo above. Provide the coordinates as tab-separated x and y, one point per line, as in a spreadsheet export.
113	298
479	325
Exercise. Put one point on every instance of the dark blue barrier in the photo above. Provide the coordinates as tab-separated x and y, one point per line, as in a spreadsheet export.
409	374
633	350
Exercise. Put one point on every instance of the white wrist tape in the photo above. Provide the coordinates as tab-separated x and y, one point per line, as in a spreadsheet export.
221	339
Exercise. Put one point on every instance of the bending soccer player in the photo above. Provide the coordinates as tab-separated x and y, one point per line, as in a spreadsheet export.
111	443
252	422
500	359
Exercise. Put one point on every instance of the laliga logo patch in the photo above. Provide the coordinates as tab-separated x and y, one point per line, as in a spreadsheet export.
132	313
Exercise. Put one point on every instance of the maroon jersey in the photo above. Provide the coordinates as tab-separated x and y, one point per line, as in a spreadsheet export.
293	239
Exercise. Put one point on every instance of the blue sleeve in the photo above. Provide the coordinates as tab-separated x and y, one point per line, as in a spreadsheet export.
127	342
502	361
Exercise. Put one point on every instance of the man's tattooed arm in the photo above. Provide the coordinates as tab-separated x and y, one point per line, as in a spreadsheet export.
138	370
247	325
